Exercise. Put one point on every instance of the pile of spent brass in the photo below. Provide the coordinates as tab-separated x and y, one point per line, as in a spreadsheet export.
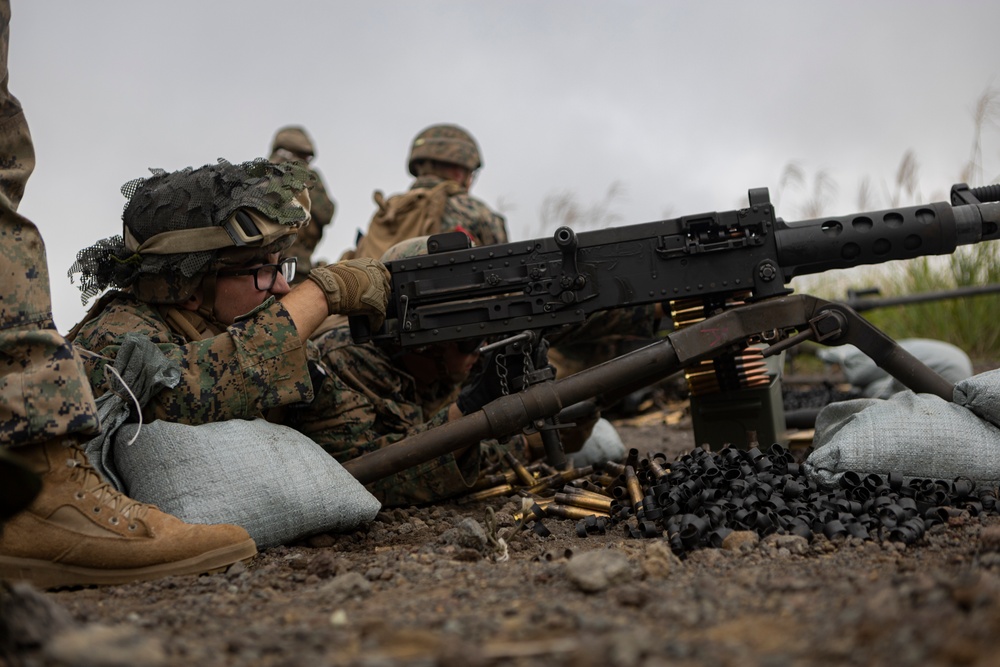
596	497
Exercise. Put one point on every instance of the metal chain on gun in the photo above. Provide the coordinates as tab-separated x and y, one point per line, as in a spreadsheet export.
502	373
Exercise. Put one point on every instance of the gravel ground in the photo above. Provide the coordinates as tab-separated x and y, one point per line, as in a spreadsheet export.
434	586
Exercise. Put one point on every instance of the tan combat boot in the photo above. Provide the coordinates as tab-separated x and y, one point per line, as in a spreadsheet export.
81	531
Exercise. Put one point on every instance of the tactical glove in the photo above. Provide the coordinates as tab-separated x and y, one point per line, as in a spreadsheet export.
355	287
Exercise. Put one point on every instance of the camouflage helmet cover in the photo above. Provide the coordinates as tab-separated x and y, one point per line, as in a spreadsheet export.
445	143
294	139
181	225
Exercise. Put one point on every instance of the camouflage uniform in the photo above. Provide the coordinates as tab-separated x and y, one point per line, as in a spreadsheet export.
43	391
295	140
236	372
465	212
365	401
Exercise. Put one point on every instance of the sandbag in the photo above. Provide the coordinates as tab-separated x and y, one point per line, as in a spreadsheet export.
916	435
273	481
604	444
945	359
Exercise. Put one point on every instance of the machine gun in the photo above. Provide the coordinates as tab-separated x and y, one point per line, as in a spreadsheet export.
724	276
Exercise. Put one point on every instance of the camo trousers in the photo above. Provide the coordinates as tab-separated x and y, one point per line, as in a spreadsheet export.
43	390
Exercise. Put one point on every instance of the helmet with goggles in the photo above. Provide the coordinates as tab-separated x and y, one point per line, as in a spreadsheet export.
180	226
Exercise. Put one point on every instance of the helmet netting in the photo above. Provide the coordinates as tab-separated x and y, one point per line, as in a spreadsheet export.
189	199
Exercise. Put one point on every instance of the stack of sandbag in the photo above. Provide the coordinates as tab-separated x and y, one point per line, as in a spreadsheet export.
920	436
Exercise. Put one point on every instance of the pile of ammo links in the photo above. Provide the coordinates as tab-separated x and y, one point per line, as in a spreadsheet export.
703	496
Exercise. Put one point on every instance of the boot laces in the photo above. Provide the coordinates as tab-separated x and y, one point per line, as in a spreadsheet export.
105	494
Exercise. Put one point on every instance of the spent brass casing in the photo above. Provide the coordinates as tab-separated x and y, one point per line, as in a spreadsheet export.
613	468
544	484
489	481
605	481
633	486
589	485
658	470
572	490
584	502
522	474
570	512
502	490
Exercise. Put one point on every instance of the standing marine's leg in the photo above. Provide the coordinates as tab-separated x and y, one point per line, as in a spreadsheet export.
77	530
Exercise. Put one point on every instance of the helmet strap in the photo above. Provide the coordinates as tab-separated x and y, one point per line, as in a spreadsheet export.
207	307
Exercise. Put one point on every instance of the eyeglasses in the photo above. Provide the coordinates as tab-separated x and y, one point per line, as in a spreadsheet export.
265	275
469	346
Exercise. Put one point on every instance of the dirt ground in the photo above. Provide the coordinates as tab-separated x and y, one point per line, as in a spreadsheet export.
433	586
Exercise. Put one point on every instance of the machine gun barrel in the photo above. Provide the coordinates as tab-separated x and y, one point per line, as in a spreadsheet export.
550	282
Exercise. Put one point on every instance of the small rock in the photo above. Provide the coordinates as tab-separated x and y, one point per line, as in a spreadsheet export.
785	545
741	541
103	646
28	618
236	569
630	595
347	585
989	538
321	541
594	571
705	556
467	534
659	560
326	565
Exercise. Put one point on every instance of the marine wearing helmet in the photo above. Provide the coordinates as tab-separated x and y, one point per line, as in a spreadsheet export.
199	270
445	159
293	144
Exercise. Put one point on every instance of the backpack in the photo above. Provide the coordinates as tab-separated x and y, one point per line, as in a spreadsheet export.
417	212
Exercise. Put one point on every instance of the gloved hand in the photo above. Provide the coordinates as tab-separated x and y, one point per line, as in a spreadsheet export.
485	385
355	287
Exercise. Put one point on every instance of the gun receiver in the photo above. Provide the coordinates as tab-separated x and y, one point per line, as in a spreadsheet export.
549	282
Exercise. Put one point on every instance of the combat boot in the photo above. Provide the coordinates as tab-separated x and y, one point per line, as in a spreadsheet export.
81	531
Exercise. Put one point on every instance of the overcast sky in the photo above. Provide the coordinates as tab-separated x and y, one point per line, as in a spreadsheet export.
685	104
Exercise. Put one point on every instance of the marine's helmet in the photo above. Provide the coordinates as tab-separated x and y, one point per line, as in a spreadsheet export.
180	226
294	140
445	143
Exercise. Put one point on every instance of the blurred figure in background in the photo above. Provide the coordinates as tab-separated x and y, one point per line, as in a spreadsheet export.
292	144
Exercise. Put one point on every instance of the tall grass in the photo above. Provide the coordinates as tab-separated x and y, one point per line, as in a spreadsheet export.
972	323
